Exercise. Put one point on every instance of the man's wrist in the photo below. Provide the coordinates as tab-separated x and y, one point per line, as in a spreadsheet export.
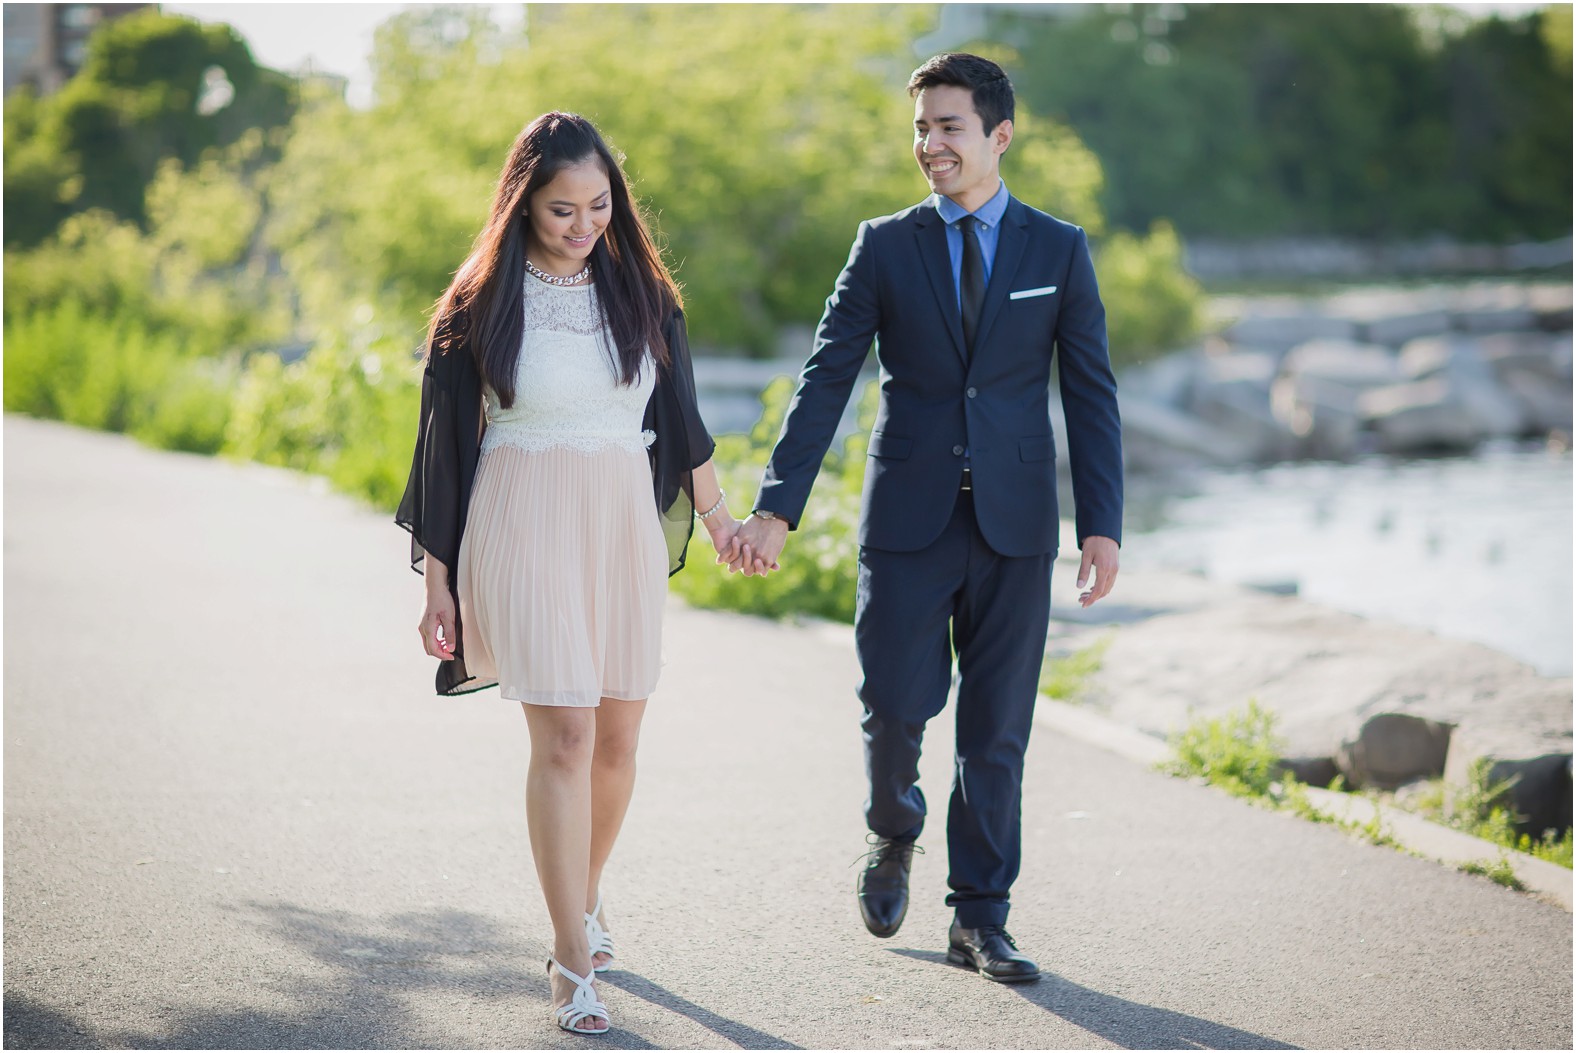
769	516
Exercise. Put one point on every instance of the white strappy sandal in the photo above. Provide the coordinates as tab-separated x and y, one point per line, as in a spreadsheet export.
582	1006
600	939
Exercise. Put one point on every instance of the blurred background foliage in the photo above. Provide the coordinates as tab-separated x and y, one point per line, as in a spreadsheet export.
217	257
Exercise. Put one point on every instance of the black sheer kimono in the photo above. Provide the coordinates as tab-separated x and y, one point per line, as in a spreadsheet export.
448	446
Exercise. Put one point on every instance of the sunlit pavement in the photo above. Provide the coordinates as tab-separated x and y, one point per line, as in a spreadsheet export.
236	817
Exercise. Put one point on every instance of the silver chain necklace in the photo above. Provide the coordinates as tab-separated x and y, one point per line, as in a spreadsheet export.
555	279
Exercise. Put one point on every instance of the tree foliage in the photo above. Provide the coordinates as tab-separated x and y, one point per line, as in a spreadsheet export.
149	92
1359	120
756	162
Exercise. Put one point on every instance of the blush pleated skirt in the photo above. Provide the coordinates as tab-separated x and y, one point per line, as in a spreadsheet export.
563	574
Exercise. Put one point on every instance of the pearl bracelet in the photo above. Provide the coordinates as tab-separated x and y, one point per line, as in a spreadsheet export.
722	495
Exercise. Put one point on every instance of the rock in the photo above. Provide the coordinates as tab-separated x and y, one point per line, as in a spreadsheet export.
1421	417
1453	403
1537	758
1545	407
1158	438
1166	381
1232	392
1315	771
1503	320
1345	363
1283	332
1320	416
1398	329
1394	748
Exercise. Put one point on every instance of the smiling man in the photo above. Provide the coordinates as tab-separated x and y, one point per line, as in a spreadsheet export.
969	297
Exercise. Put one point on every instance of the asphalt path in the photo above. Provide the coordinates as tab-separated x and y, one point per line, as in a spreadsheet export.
236	817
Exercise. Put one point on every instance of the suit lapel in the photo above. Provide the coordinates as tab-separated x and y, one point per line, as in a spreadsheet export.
931	234
1010	243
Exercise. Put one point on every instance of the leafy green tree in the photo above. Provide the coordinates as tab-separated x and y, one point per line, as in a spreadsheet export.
152	88
756	160
1360	120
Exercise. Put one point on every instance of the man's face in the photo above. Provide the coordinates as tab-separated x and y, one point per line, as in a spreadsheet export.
954	152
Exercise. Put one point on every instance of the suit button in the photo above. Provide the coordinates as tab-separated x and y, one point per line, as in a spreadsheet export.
957	451
972	393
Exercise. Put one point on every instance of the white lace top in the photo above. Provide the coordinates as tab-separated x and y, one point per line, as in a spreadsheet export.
566	389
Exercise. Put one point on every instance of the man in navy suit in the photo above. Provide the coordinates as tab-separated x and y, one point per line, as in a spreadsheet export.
968	297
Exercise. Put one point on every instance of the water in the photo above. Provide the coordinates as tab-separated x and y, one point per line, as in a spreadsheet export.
1476	549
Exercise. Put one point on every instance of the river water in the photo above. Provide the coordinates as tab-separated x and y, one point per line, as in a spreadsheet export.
1473	548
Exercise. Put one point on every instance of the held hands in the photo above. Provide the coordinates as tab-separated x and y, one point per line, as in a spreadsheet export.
722	527
1102	555
755	547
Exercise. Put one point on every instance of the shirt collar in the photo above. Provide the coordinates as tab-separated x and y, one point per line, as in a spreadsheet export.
989	214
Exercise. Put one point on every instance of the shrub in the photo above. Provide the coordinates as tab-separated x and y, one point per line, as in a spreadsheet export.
1237	752
820	564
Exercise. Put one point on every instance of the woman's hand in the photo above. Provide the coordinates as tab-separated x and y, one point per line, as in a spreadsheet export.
722	527
437	625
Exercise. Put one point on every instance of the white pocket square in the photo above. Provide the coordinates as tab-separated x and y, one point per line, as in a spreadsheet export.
1024	294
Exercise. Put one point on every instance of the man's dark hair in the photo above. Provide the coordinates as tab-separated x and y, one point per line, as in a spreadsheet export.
986	81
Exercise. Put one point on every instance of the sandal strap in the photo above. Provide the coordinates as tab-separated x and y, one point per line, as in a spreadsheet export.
582	1005
600	939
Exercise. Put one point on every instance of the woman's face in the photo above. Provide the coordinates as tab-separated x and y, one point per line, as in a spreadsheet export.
566	216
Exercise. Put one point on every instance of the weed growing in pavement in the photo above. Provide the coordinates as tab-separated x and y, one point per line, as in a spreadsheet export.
1066	677
1481	808
1499	871
1237	752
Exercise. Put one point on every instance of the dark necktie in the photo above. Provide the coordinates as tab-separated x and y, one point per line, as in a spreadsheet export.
971	282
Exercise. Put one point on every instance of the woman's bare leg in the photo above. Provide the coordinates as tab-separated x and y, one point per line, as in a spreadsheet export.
612	785
558	816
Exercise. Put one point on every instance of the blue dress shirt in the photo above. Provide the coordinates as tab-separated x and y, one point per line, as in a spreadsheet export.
987	230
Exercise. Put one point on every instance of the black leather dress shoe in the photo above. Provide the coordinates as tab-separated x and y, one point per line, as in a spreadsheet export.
883	885
991	952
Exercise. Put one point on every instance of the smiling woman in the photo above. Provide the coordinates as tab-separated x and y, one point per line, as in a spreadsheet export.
546	531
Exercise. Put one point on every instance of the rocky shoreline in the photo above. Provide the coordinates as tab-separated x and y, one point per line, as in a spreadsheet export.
1389	371
1380	704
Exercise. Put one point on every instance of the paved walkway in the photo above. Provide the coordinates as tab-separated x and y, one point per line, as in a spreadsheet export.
235	817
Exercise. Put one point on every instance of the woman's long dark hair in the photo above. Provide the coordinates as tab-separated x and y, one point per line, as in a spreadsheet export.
634	287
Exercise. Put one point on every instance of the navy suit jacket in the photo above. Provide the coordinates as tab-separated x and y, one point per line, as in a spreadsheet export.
938	401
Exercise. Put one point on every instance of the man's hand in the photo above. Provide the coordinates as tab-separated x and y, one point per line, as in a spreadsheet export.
757	545
1102	554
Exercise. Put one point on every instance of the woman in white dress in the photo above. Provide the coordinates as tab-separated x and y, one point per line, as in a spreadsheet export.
559	460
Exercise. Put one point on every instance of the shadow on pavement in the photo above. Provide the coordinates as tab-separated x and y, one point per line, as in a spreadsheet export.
354	993
742	1035
1130	1025
350	994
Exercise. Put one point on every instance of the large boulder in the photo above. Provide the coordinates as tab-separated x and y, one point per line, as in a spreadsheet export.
1231	392
1395	330
1344	363
1390	749
1534	370
1315	396
1452	401
1533	756
1283	332
1166	381
1157	438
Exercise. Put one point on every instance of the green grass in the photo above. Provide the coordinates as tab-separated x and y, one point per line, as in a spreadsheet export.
1482	808
1239	751
1498	871
1066	677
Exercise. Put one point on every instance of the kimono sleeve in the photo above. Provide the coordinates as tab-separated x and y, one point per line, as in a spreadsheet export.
682	442
431	507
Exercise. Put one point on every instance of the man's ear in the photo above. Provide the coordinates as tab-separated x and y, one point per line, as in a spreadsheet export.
1001	137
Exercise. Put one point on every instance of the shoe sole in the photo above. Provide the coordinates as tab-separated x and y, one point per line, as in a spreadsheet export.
957	957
